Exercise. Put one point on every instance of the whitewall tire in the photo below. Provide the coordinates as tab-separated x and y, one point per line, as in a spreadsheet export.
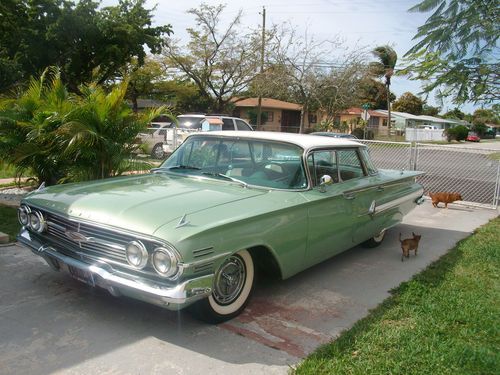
233	285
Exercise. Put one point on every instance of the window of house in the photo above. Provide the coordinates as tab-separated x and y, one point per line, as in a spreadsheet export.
373	121
313	118
270	116
384	122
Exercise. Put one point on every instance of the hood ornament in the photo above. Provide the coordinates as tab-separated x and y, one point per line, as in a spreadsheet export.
182	222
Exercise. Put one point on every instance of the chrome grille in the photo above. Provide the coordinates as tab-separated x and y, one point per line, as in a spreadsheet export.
103	244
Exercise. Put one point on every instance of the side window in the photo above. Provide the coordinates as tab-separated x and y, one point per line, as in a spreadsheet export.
242	125
365	155
322	163
227	124
349	165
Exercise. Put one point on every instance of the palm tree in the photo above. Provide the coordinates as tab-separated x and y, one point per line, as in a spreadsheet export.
385	68
58	137
27	126
99	134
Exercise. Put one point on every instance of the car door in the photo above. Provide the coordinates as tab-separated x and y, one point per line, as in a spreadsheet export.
363	191
329	212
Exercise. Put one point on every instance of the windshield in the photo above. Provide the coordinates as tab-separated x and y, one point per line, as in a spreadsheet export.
253	162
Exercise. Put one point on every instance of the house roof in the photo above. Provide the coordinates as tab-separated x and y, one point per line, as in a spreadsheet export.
358	111
266	103
409	116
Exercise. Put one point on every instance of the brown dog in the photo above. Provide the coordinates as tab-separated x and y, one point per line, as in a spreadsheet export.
409	244
445	198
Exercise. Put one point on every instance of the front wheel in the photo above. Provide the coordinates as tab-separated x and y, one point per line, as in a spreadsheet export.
233	285
375	240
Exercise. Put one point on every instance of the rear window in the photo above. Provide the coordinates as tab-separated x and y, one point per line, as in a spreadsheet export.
190	122
242	125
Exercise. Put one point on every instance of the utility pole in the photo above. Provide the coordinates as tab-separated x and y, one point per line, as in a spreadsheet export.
259	103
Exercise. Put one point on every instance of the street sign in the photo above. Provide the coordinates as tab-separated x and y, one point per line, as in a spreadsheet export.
365	115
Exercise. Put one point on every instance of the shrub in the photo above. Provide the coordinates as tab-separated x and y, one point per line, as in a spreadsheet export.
61	137
361	134
458	133
252	115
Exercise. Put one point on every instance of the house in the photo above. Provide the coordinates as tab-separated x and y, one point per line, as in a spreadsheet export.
280	115
377	121
422	127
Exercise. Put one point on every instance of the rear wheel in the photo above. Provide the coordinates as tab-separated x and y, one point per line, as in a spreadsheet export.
375	240
233	285
157	151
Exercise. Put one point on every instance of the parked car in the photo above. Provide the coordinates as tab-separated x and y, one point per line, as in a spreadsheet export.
222	206
335	135
153	139
472	137
162	137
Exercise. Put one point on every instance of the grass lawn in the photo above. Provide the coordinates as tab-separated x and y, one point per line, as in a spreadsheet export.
494	156
8	221
446	320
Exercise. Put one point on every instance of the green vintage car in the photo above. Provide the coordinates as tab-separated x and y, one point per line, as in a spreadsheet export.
224	205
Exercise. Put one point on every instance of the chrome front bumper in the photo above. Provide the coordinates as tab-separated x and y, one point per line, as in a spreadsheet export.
103	275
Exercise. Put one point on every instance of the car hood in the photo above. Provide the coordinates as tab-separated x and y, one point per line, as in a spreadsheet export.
140	203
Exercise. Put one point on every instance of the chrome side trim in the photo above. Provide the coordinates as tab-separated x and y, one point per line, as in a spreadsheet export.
396	202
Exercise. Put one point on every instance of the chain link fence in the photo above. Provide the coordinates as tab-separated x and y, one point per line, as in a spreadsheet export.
472	172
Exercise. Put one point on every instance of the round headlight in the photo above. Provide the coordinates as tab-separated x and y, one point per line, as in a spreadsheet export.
36	221
164	262
137	255
22	215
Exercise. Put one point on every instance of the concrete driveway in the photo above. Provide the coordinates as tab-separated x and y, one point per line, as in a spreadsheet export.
50	323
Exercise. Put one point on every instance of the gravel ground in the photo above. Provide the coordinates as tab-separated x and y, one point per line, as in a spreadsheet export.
13	196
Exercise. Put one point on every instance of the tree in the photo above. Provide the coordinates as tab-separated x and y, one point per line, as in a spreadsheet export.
409	103
337	88
373	92
457	51
385	68
455	113
481	118
220	63
142	80
87	42
429	110
296	71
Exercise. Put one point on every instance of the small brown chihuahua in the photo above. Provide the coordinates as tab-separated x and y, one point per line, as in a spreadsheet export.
409	244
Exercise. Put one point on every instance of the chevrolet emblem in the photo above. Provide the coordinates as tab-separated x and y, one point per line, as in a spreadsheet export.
75	236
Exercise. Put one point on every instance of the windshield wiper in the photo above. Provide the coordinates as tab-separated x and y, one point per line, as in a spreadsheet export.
174	167
183	167
222	175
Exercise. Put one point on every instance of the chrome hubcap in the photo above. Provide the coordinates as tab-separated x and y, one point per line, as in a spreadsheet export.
380	236
229	280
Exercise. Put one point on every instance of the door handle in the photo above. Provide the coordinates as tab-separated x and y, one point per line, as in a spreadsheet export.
380	188
349	196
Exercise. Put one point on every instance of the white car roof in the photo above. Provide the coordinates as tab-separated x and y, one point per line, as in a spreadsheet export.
306	141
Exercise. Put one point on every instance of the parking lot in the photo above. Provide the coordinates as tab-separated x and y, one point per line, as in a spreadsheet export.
50	323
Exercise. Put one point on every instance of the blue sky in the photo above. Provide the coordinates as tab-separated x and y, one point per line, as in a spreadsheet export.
359	22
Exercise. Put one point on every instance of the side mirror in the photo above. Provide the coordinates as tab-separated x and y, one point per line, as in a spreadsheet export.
325	180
